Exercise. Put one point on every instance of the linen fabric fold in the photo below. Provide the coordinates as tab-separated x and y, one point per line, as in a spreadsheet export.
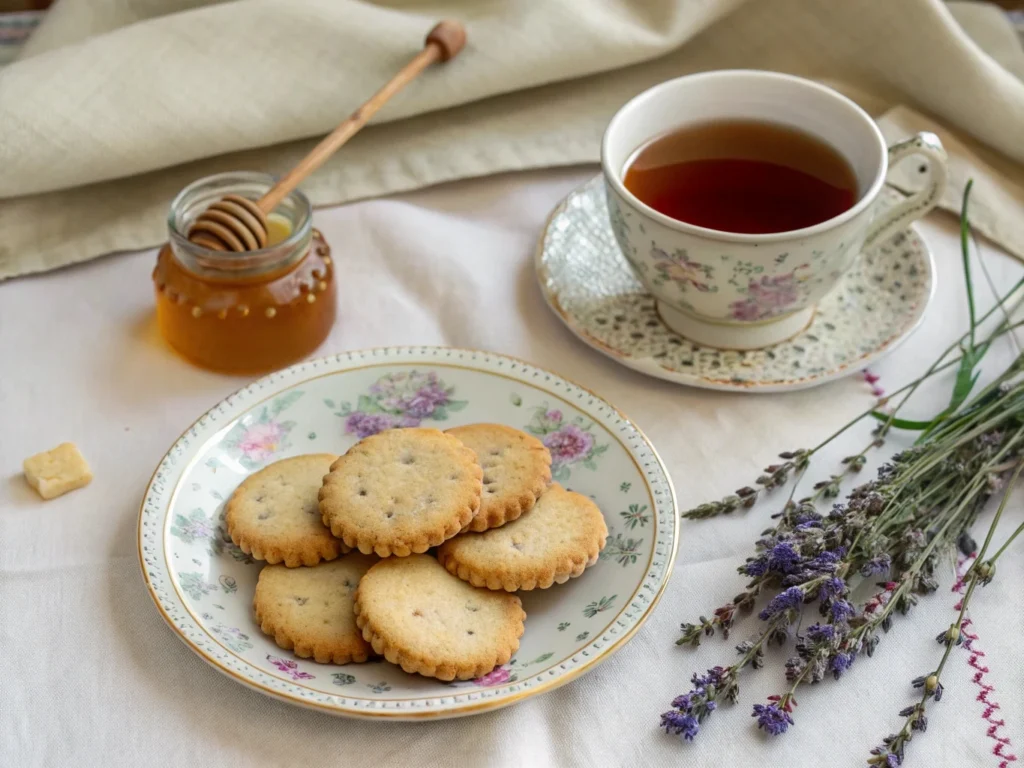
114	105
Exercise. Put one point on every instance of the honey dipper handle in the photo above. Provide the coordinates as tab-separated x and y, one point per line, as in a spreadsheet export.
443	42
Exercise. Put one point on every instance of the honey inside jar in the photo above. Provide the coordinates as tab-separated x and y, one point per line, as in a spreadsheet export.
278	229
247	312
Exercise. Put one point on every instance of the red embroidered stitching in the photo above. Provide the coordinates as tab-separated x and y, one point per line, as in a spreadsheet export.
1002	747
872	380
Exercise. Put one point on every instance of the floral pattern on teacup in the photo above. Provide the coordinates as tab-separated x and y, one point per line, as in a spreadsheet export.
768	297
570	442
680	269
404	399
620	228
715	278
257	439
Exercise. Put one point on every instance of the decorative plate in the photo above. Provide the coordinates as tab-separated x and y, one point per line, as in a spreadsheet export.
590	286
203	584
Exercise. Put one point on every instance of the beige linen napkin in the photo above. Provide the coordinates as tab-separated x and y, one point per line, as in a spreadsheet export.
114	105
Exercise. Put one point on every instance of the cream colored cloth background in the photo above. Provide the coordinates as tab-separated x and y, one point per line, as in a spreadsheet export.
114	105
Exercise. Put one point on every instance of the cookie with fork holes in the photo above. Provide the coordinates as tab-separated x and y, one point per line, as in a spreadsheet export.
417	615
309	610
401	491
274	515
517	470
555	541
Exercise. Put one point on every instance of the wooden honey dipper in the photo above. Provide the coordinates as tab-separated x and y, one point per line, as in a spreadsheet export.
236	223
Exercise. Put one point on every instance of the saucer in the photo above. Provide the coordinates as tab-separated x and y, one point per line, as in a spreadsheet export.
587	282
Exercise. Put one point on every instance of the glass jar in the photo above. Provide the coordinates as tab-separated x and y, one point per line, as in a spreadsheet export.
246	312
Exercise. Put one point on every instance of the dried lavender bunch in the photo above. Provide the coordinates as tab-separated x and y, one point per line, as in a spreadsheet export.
893	530
892	751
801	527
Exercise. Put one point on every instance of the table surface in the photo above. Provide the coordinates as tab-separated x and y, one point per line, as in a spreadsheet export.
92	676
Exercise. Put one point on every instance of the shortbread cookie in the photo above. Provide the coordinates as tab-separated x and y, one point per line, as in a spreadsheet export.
309	610
274	515
517	469
563	534
401	491
54	473
417	615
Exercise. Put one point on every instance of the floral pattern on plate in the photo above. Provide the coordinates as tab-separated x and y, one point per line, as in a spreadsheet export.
637	514
290	667
404	399
570	441
258	438
204	584
592	287
623	550
195	586
233	638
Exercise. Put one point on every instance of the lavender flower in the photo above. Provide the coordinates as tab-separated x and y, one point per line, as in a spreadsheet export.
886	758
682	702
783	558
820	633
842	610
823	564
807	518
784	601
680	724
713	677
831	588
878	564
692	708
827	561
841	662
930	683
951	635
757	566
772	719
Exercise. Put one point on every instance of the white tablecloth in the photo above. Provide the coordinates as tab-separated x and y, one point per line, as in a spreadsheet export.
90	675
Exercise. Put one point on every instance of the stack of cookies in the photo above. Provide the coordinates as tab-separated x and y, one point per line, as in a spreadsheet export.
348	543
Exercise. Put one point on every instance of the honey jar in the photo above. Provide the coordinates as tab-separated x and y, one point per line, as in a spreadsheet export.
246	312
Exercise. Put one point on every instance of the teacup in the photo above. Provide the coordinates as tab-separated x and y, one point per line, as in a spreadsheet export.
746	291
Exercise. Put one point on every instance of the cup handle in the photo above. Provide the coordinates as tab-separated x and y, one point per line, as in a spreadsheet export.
928	146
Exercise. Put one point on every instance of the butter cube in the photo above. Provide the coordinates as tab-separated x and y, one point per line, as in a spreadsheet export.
54	473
